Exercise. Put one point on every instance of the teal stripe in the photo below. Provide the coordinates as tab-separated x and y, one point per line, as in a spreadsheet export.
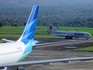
24	55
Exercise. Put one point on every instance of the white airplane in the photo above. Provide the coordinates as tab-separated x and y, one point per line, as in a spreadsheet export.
12	53
68	34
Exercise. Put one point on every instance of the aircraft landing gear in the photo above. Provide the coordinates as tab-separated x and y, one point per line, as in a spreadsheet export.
8	68
68	37
21	68
86	38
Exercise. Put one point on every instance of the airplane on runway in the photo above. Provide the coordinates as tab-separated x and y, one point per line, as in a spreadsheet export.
12	53
68	34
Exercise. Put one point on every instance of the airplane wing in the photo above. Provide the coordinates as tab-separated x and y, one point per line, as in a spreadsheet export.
34	43
8	41
27	63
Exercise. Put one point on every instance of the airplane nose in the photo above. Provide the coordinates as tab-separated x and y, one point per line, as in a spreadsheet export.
90	35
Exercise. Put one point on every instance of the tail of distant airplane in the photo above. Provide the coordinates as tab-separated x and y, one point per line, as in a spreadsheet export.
28	33
51	28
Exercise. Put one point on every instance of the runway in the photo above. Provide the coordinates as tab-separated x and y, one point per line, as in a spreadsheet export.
64	44
74	65
53	54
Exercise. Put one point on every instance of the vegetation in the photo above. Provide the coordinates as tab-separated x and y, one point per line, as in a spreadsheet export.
41	31
86	49
69	15
1	41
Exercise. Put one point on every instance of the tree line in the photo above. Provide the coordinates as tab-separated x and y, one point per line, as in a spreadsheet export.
58	16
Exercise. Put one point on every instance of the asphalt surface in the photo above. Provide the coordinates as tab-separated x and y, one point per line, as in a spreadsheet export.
65	44
74	65
40	54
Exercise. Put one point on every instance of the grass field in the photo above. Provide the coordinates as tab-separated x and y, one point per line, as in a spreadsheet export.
86	49
9	31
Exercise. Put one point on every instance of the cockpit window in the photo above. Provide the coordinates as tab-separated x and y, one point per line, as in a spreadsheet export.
87	34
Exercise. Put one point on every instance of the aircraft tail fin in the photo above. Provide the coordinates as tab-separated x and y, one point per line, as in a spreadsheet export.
51	28
28	33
